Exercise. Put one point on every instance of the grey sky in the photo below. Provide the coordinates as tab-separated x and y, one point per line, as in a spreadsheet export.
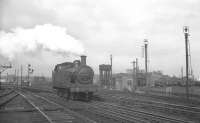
107	27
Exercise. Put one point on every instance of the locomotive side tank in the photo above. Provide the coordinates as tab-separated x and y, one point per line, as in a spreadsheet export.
74	79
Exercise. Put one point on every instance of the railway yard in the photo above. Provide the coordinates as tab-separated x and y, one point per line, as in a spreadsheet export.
115	61
25	105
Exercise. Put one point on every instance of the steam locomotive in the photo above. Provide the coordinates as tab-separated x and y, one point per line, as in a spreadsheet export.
74	80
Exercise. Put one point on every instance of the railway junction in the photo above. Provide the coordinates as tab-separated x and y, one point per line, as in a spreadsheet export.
40	105
116	61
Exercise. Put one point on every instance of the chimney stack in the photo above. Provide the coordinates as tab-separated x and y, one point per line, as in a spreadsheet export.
83	60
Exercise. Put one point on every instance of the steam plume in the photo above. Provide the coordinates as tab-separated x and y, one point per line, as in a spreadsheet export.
48	37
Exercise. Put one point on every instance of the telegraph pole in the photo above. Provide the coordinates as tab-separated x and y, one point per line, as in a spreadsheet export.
28	71
7	77
182	73
134	72
146	58
186	34
111	70
21	74
17	76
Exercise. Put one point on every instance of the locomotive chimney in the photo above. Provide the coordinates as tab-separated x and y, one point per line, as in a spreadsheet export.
83	60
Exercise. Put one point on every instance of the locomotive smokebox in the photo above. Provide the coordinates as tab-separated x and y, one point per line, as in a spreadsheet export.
83	60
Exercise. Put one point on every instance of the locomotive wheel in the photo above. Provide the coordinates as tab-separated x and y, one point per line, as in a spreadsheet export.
87	96
65	95
58	93
72	96
68	94
90	95
76	96
62	93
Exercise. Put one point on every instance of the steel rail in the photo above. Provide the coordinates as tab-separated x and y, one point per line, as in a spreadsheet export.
7	93
68	110
118	115
113	114
131	110
189	109
7	99
38	109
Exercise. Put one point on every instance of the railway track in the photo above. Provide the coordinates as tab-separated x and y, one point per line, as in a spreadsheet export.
194	98
52	118
6	92
194	101
171	106
110	113
132	115
34	89
190	112
160	96
26	107
20	110
123	113
7	97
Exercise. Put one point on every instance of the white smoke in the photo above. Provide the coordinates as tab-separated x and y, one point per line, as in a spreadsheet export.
46	37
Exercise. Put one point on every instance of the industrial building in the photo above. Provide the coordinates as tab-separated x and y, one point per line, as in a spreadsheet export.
129	80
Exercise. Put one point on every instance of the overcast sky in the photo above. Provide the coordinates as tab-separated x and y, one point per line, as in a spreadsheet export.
47	32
